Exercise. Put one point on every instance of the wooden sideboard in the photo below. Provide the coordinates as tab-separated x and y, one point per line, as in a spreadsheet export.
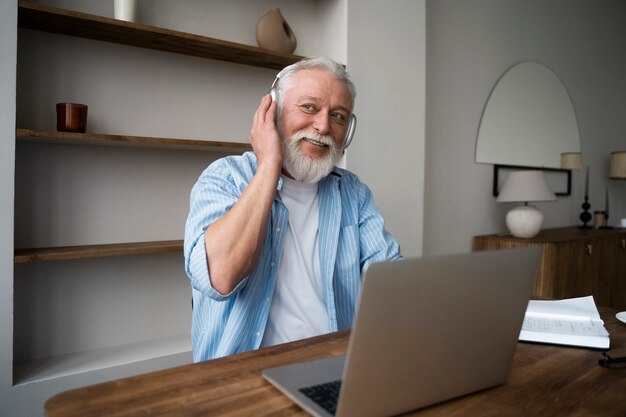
575	262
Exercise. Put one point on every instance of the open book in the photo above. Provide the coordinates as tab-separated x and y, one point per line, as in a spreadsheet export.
572	321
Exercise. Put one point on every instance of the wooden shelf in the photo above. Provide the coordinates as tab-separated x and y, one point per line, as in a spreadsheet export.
96	251
66	22
145	356
68	138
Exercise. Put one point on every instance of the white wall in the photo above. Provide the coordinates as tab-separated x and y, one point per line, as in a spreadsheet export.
386	58
470	45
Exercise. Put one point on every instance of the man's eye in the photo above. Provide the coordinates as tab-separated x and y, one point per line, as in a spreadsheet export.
339	117
309	108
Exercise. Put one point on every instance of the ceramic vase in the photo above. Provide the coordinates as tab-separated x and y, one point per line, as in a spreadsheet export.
273	32
125	10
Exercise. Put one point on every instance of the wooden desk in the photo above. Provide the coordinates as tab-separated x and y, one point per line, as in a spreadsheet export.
544	381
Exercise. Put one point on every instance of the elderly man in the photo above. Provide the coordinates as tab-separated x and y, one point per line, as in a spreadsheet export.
276	239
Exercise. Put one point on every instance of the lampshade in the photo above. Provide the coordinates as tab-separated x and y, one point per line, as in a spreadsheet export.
618	165
571	160
526	186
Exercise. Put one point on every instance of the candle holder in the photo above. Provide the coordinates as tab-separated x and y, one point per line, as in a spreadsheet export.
605	213
585	216
606	221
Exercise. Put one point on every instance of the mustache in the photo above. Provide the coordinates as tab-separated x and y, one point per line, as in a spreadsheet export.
313	136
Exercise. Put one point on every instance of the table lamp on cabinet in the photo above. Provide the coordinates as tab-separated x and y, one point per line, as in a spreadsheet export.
617	165
571	160
525	221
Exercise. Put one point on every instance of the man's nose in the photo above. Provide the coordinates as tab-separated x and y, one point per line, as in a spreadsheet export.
321	123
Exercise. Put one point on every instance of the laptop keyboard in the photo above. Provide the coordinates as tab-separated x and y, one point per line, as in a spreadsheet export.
325	395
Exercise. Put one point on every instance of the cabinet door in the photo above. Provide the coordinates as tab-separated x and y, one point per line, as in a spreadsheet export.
602	269
618	273
593	266
574	267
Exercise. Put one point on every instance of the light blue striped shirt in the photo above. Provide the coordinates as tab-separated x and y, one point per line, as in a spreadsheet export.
351	235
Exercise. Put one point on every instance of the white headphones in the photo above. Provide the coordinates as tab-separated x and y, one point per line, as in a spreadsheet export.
275	93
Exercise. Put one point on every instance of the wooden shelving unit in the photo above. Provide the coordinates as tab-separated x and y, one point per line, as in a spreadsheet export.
122	249
96	251
67	22
68	138
167	350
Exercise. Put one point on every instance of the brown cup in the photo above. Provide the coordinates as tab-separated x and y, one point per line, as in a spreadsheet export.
71	117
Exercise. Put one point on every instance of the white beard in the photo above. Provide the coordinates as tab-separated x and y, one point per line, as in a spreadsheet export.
303	168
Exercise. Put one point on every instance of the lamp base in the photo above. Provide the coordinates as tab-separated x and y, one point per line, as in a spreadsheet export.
524	221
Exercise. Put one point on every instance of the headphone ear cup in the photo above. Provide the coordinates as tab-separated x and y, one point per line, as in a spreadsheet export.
350	133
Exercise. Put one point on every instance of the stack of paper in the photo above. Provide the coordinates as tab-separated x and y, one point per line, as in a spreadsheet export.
573	322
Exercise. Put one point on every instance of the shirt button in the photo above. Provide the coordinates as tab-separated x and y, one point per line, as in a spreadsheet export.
273	263
258	334
277	229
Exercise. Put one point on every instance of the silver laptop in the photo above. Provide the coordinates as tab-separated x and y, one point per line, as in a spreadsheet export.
426	330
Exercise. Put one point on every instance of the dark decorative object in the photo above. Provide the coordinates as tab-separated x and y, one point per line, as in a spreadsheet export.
585	216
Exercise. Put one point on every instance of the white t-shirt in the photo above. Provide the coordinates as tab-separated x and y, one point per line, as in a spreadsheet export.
298	310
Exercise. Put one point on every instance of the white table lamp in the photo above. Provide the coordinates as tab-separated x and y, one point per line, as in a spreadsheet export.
525	221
